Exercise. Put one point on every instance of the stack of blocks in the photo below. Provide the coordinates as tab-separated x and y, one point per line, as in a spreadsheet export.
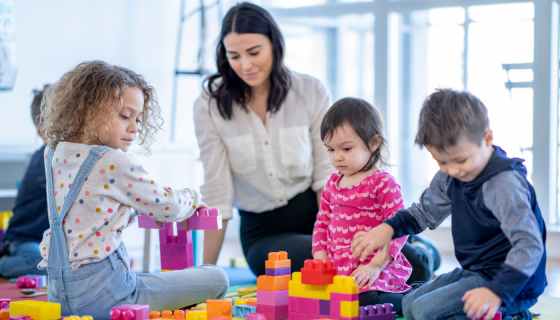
272	288
36	310
177	250
317	293
4	221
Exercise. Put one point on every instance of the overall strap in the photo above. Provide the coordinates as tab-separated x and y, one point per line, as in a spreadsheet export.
58	252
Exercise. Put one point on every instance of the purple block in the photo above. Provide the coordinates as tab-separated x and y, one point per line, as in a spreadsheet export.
343	296
130	312
204	219
304	305
273	312
2	232
273	298
377	312
325	307
279	271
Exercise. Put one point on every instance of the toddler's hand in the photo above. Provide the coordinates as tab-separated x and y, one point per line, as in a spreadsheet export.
320	255
366	242
480	301
200	206
365	275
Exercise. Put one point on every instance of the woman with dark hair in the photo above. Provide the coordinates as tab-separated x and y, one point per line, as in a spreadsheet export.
258	129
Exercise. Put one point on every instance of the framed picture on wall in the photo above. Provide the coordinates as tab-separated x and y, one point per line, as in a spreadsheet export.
7	45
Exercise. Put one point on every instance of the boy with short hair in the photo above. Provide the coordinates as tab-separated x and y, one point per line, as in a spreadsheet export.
20	254
498	230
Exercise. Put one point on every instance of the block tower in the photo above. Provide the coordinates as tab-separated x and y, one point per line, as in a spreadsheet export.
272	288
317	293
177	250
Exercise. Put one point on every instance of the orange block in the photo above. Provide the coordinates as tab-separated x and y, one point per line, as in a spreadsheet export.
5	314
273	283
252	302
166	314
278	260
218	309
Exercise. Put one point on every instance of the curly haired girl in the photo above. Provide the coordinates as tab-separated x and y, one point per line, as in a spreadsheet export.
90	117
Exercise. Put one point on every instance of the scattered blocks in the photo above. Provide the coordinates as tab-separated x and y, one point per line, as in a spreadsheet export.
271	283
377	312
242	310
278	260
318	272
273	312
31	281
36	310
218	309
272	298
130	312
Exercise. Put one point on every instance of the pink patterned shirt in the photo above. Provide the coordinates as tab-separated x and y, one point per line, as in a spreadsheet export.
345	211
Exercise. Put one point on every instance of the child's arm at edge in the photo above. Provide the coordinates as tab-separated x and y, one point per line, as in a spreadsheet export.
320	243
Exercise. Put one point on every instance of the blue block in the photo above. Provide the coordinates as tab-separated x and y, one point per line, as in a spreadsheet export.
279	271
241	310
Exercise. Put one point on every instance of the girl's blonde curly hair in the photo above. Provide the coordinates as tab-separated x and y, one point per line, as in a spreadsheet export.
72	108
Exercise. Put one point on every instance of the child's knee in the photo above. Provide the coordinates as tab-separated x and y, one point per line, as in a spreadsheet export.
219	279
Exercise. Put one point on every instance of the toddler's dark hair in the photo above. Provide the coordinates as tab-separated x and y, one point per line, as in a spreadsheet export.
36	105
366	121
446	115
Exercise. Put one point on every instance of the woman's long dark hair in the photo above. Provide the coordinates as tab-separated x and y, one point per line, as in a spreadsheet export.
248	18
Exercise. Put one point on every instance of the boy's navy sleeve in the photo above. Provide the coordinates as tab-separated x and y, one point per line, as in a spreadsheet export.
512	207
432	208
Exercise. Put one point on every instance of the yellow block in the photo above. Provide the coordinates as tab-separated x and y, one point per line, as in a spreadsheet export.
165	270
349	309
343	285
297	289
73	317
240	301
36	310
5	219
196	315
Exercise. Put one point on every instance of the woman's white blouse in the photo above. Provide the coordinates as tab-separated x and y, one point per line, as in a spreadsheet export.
256	167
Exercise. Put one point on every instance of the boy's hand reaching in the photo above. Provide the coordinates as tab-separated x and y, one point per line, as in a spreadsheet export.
480	301
365	275
366	242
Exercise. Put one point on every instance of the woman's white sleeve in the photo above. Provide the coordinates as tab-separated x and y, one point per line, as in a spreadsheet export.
322	168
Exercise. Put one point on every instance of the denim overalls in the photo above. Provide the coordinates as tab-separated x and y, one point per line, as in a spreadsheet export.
97	287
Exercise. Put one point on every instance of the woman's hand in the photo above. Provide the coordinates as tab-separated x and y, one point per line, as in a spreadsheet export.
365	275
377	238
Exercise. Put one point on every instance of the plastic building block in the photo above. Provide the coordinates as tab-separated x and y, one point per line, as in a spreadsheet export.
154	315
20	317
195	314
298	289
31	281
278	260
36	310
273	312
5	314
5	303
317	272
344	285
377	312
130	312
344	296
2	233
204	219
497	316
218	308
278	271
256	316
269	283
325	307
5	219
304	305
272	298
178	315
74	317
243	309
253	302
349	309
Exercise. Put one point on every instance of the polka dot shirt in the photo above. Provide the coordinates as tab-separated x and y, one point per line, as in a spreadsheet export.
116	183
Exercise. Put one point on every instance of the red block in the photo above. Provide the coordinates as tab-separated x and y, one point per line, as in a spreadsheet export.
318	272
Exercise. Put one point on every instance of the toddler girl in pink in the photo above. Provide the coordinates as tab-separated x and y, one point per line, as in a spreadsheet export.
358	198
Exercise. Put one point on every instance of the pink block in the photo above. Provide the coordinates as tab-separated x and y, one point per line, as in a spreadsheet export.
20	317
273	298
204	219
130	312
306	316
344	296
184	236
304	305
5	303
176	249
255	316
35	282
273	312
335	308
146	222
